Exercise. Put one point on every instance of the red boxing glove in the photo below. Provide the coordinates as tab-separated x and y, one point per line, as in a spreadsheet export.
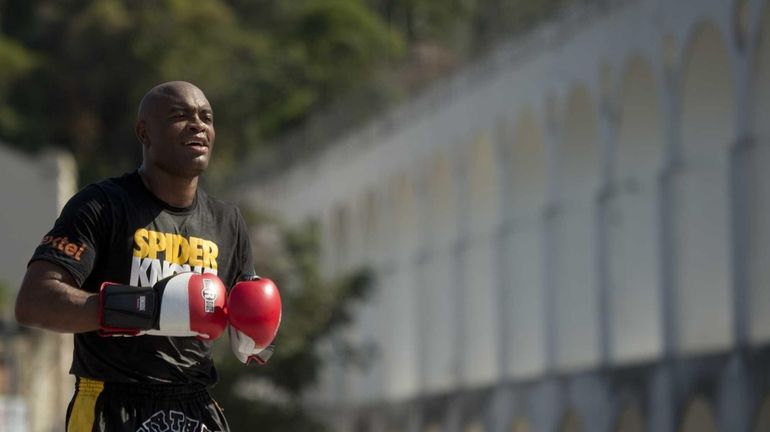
254	311
185	304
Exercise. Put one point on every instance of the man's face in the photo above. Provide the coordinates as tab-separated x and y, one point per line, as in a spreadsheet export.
178	132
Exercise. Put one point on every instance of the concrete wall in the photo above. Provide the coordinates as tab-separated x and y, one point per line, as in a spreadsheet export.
35	363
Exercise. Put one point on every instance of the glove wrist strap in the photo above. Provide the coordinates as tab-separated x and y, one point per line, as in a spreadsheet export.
127	309
263	356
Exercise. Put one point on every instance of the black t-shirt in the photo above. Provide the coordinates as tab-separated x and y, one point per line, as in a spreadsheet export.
118	231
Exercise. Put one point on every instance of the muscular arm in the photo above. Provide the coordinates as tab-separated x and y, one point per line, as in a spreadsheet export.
50	299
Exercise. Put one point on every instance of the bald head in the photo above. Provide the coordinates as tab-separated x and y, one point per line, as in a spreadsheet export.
164	92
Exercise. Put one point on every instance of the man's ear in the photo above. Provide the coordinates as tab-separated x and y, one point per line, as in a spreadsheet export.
141	132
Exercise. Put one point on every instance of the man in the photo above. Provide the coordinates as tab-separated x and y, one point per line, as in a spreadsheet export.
150	229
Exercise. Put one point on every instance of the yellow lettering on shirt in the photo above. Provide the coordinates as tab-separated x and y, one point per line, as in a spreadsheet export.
140	243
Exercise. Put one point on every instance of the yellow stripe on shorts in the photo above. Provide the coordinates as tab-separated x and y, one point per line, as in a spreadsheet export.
82	416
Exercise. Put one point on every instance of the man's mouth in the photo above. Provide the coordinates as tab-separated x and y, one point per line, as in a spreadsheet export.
199	145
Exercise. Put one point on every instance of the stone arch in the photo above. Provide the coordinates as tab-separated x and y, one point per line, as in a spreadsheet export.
630	420
762	416
442	208
326	228
698	417
475	426
437	318
480	342
760	81
529	182
371	222
580	163
524	244
377	214
357	230
388	216
701	221
484	201
640	127
405	206
634	271
758	191
708	107
398	293
521	425
341	237
571	422
363	423
575	279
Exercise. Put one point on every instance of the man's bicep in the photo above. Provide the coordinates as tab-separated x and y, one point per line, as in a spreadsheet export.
40	284
50	298
42	270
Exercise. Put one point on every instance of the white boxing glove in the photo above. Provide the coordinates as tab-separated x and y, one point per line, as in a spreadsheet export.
185	304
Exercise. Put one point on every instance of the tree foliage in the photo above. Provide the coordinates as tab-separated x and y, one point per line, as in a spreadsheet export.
97	58
16	61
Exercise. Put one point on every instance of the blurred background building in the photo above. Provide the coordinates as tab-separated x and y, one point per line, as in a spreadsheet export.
570	234
35	385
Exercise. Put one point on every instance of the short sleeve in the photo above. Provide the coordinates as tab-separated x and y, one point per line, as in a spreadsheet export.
74	240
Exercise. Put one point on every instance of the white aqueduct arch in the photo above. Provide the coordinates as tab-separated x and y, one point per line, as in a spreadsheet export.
701	222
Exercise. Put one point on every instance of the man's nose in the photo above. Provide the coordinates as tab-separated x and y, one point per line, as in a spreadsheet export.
197	124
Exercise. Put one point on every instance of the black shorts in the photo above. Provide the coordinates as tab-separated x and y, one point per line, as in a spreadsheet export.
116	407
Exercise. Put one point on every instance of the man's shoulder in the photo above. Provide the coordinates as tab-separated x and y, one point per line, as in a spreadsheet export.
221	206
225	212
104	192
111	184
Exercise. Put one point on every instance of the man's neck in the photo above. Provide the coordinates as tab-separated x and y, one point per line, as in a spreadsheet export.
173	190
